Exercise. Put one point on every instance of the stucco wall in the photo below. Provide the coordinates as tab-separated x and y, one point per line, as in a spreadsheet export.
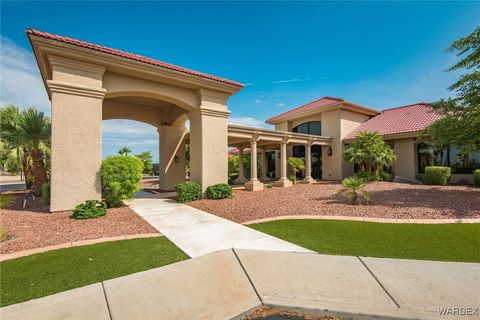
405	163
332	165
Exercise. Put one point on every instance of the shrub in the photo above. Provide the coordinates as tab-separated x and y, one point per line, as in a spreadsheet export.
120	178
296	165
90	209
437	175
219	191
292	178
5	200
375	176
46	193
476	177
188	191
353	188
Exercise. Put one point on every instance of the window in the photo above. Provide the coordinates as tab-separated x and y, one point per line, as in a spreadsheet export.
449	157
312	127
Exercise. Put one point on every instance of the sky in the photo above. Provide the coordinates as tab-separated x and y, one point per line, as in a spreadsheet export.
378	54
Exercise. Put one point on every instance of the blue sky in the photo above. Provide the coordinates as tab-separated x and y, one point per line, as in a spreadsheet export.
378	54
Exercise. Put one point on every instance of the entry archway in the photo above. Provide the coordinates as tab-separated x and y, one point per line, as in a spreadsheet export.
87	83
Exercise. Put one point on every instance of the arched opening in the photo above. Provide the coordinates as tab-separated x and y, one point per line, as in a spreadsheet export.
314	128
158	127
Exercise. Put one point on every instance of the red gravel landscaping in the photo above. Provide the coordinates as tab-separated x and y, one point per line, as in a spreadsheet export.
34	227
388	200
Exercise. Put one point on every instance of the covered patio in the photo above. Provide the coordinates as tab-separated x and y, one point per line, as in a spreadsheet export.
260	140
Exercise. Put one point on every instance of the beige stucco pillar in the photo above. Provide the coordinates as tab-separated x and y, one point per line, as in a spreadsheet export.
253	184
308	164
283	181
172	156
241	175
405	165
208	139
76	156
264	164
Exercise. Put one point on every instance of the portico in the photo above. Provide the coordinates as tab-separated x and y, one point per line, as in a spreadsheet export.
266	140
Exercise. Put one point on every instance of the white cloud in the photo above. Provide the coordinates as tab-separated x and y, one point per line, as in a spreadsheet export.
297	80
248	121
21	83
281	104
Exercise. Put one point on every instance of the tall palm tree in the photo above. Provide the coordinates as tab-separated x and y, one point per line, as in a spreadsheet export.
29	132
124	151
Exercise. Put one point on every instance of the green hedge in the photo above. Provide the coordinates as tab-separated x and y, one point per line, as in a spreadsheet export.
120	178
476	177
188	191
437	175
90	209
219	191
46	193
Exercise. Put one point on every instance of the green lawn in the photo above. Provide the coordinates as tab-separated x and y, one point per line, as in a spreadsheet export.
59	270
446	242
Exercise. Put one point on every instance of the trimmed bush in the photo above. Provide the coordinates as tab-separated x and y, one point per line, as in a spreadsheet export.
219	191
120	178
90	209
292	178
46	193
437	175
188	191
375	176
476	177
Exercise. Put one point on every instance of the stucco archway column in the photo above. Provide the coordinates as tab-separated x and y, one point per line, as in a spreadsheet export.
283	181
208	139
76	156
253	184
308	164
241	175
263	161
172	156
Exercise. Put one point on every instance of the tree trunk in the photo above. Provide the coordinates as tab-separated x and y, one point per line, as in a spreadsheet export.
40	175
27	170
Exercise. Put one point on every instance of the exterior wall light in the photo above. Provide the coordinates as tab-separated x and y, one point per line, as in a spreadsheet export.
176	159
329	150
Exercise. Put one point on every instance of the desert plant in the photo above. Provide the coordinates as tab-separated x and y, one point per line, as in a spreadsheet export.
292	178
46	193
296	165
120	178
437	175
188	191
219	191
476	177
5	200
90	209
353	188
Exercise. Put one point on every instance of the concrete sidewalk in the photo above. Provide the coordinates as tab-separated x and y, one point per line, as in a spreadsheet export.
231	283
197	232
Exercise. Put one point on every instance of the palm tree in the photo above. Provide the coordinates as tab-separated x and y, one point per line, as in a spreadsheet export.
124	151
28	131
353	188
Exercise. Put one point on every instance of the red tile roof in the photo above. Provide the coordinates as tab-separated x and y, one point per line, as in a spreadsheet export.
128	55
322	102
411	118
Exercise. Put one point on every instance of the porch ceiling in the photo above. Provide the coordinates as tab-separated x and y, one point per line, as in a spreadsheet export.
239	136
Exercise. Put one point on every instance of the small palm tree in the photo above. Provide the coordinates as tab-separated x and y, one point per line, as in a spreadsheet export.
353	188
296	165
124	151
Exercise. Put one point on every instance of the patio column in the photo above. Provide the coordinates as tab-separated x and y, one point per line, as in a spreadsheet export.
308	164
241	175
172	156
263	160
253	184
283	181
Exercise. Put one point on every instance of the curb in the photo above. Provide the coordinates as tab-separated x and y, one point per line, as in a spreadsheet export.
4	257
378	220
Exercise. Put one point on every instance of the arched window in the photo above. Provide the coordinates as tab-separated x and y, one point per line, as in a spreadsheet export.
312	127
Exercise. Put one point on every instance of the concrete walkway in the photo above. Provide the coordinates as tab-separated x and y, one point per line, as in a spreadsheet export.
230	283
197	232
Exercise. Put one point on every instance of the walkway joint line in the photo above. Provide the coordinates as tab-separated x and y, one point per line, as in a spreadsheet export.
248	277
106	301
379	283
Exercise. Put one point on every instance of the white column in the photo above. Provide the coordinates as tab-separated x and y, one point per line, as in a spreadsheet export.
263	160
283	181
241	175
253	184
308	164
